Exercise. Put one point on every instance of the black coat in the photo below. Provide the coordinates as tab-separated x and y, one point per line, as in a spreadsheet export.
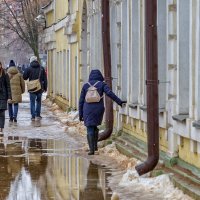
92	113
5	91
32	73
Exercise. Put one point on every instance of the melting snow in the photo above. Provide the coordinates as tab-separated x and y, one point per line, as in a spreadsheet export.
160	184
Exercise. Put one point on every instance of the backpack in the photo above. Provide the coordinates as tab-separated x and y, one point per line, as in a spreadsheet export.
92	95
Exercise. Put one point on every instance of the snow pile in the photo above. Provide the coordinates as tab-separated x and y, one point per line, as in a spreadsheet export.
47	102
123	161
160	184
70	120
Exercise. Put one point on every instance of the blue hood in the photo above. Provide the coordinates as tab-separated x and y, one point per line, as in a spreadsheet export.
96	75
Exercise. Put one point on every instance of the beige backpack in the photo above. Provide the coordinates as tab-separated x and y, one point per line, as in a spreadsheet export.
92	95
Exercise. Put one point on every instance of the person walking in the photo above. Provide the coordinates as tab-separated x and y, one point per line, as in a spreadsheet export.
5	95
91	106
17	85
34	72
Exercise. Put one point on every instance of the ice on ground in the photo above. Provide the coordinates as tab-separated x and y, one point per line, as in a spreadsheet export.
161	184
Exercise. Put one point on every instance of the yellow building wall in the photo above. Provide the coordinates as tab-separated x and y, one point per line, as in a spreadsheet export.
61	9
49	64
49	18
73	74
61	40
139	131
80	10
75	54
188	156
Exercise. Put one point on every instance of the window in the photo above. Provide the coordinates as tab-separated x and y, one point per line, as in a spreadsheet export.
114	48
76	81
57	84
64	92
183	57
124	50
135	47
162	52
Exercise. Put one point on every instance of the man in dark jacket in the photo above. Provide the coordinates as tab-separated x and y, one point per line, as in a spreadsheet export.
35	71
92	113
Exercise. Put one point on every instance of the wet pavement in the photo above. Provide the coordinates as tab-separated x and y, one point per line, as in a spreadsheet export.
40	161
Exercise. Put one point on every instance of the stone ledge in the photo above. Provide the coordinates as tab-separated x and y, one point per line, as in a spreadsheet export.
180	117
196	124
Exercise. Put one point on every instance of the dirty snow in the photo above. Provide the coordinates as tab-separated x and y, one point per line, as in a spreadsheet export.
160	184
130	179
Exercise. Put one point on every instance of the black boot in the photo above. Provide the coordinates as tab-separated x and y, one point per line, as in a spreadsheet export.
91	144
96	134
15	119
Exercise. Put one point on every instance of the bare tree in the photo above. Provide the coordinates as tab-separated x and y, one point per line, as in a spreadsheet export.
18	17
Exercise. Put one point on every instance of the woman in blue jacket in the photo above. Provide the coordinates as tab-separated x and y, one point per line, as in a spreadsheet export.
92	113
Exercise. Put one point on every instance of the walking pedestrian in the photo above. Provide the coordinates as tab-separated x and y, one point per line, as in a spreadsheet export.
17	85
5	95
91	106
34	72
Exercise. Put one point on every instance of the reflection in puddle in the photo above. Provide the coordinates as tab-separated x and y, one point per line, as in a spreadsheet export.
93	186
35	169
23	187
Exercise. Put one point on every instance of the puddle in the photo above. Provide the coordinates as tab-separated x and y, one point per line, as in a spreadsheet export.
40	169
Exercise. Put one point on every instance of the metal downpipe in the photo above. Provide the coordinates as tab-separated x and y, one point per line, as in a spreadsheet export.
152	89
107	69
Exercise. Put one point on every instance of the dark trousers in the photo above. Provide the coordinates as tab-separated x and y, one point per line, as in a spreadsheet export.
2	118
91	130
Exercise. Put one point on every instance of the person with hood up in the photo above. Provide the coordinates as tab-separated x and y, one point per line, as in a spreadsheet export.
34	72
92	113
5	95
17	85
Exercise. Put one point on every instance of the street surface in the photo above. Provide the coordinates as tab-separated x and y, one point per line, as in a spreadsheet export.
43	160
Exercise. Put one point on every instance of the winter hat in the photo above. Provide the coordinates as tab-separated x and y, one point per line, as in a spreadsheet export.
33	58
12	63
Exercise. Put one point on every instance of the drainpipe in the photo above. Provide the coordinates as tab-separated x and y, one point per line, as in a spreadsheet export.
152	89
107	69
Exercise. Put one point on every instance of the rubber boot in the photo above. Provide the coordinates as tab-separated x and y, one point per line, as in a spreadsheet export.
91	144
96	134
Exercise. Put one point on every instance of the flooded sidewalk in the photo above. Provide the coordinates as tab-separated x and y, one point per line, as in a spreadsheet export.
38	162
46	160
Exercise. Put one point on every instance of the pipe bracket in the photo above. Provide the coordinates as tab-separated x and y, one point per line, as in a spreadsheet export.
152	82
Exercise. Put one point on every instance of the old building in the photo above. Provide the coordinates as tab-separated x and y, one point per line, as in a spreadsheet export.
74	43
